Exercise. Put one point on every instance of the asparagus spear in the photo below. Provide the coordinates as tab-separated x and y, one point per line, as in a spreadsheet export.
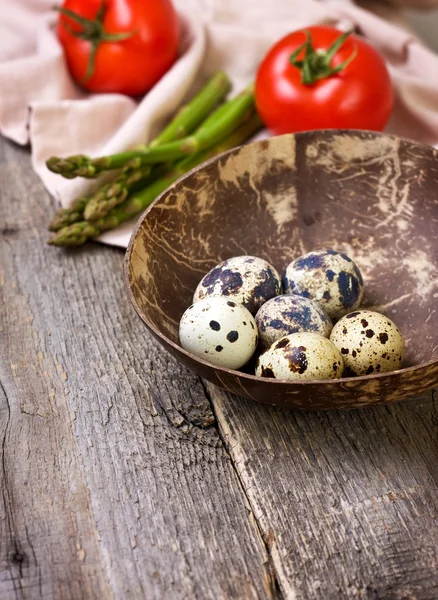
185	121
192	114
220	124
78	233
67	216
114	193
99	206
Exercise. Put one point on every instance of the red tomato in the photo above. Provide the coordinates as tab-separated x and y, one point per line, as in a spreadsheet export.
136	42
311	94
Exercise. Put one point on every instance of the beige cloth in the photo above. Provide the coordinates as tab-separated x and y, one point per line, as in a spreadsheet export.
40	104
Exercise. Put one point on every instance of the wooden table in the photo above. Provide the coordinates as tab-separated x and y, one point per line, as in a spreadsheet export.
125	476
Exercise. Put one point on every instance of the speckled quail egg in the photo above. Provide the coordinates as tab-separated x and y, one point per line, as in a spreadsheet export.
301	356
369	343
220	331
285	314
330	278
249	280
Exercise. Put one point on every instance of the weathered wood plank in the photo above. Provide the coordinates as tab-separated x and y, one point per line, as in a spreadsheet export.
346	501
49	545
115	481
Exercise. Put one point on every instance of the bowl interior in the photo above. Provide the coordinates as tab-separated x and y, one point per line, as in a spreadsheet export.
369	195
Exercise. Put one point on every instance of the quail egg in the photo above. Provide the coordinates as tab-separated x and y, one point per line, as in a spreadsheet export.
369	343
249	280
330	278
301	356
220	331
285	314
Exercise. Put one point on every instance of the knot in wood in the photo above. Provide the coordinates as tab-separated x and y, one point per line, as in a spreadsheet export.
18	557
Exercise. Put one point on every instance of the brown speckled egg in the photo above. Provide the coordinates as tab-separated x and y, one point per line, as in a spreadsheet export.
301	356
249	280
369	343
328	277
288	314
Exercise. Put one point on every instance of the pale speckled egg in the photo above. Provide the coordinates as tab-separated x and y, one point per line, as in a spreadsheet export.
249	280
301	356
329	277
286	314
220	331
369	343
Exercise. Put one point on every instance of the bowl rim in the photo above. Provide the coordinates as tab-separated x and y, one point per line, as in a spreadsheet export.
254	378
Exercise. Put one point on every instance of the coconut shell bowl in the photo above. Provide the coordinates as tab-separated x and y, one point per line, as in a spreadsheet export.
369	195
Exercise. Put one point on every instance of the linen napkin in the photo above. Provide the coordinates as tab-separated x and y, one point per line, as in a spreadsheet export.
40	104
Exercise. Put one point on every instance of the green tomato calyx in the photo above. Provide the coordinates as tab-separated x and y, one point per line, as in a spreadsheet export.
316	64
92	31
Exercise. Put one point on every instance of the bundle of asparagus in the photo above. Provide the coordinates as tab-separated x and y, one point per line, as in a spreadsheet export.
206	126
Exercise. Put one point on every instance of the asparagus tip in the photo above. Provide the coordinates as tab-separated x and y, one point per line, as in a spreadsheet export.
52	164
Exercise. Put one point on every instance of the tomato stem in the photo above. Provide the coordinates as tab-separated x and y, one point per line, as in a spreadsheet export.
92	31
316	63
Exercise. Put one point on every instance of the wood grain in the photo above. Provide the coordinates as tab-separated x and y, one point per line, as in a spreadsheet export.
114	480
347	501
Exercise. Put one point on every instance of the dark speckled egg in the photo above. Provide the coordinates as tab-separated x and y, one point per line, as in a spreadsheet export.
301	356
249	280
369	343
219	331
329	278
288	314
